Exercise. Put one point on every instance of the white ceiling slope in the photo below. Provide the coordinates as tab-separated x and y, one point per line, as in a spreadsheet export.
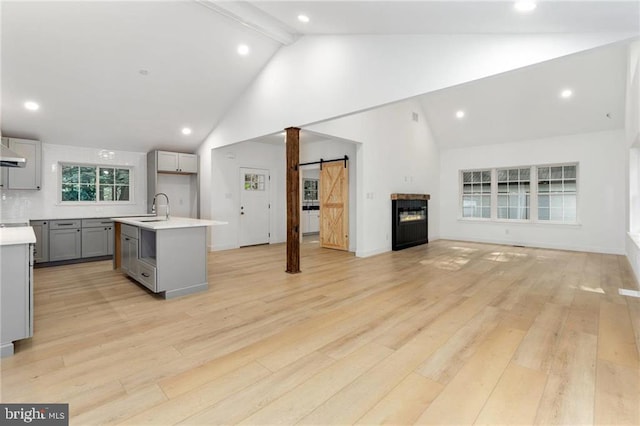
81	60
447	17
526	103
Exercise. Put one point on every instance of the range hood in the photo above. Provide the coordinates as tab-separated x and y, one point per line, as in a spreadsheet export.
9	158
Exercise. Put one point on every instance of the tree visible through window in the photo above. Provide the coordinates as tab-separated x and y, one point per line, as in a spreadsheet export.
90	183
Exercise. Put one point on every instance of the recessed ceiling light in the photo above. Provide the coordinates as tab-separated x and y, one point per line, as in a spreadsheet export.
186	131
566	93
31	106
243	50
460	114
303	18
525	6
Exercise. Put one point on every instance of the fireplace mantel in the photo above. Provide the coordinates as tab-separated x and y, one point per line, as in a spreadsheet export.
410	196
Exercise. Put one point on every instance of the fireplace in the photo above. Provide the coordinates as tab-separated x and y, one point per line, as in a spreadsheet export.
409	215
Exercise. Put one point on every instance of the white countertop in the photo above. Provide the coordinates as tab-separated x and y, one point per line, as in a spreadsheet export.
19	235
161	223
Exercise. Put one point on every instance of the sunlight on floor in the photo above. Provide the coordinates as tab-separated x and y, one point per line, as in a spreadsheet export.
589	289
504	256
447	263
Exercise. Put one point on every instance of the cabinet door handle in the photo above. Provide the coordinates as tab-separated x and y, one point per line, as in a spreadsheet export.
78	230
126	239
65	224
145	275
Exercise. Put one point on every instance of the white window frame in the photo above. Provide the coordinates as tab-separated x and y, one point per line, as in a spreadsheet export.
533	194
577	179
97	200
461	195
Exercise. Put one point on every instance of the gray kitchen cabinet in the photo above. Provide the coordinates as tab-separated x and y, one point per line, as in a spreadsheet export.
171	261
97	237
129	250
28	177
177	162
41	229
65	241
16	295
176	174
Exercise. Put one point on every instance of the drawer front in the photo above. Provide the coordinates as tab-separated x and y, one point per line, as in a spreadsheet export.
65	224
96	223
147	275
129	231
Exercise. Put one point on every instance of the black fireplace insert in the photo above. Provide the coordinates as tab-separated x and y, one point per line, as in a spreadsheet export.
410	216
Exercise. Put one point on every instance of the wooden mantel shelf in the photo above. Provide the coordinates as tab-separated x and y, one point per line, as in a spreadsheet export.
410	196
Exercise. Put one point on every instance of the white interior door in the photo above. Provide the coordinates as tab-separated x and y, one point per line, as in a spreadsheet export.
254	206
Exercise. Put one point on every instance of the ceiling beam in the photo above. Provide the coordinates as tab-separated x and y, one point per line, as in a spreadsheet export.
251	17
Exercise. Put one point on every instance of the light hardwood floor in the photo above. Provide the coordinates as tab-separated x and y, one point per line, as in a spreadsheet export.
446	333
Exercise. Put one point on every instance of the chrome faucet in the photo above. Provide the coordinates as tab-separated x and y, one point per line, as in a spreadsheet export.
153	207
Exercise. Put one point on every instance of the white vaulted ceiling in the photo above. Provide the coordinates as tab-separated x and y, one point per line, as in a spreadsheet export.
82	61
526	103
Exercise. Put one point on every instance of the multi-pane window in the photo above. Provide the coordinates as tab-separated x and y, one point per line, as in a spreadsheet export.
514	193
557	193
90	183
310	189
550	189
476	194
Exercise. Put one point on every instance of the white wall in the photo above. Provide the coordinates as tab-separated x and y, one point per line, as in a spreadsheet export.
182	193
322	77
43	204
395	155
632	133
225	189
328	150
601	192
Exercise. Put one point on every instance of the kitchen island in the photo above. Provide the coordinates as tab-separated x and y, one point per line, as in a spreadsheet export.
167	256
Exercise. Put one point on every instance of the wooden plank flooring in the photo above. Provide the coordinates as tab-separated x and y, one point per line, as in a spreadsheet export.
446	333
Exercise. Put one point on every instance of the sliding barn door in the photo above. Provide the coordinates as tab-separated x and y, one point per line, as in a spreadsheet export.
334	205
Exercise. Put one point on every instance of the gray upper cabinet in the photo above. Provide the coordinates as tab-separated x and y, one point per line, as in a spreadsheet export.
41	230
65	240
175	173
177	162
28	177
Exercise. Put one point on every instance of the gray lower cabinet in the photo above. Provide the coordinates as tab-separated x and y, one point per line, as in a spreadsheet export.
65	240
16	296
41	229
129	250
97	238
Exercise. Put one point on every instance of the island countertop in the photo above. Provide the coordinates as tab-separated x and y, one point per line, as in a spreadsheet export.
19	235
158	222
